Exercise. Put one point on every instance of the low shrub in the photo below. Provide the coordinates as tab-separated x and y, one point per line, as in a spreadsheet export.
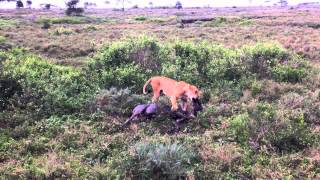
261	58
36	147
90	28
140	18
7	22
117	101
256	88
49	87
61	31
68	20
53	125
292	72
267	129
2	40
159	19
157	160
4	45
218	21
205	65
239	127
244	22
8	89
8	147
225	161
127	64
126	76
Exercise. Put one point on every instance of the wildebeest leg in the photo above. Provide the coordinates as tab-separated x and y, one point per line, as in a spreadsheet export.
180	120
177	127
177	123
134	116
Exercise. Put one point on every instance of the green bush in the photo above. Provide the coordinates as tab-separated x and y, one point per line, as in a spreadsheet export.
225	65
53	88
61	31
265	127
256	88
67	20
8	86
261	58
239	127
117	101
54	125
4	45
157	160
244	21
183	64
37	146
126	76
140	18
292	72
8	89
2	40
91	28
143	51
202	64
8	147
130	63
291	135
218	21
127	64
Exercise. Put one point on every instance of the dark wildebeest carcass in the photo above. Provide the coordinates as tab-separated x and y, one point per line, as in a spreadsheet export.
148	111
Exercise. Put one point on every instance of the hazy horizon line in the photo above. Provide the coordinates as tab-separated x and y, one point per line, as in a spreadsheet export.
164	3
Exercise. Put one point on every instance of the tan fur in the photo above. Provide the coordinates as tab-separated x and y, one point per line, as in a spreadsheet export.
171	88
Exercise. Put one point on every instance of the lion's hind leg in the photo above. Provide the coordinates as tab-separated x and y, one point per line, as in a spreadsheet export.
156	95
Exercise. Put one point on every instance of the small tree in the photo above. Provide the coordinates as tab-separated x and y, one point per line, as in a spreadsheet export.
47	6
72	8
151	4
29	3
19	4
178	5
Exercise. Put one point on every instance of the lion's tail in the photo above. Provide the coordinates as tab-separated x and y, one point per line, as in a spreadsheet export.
145	85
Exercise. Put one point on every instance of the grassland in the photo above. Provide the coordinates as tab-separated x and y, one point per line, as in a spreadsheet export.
68	83
296	29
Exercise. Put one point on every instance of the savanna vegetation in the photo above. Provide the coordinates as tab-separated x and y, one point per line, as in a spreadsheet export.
261	117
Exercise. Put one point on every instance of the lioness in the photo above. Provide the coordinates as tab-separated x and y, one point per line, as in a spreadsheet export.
173	89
